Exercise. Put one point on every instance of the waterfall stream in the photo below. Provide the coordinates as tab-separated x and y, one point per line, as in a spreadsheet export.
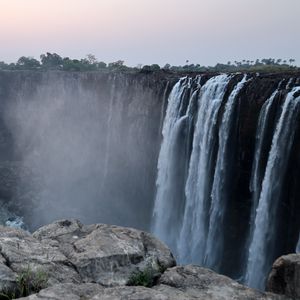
197	164
263	241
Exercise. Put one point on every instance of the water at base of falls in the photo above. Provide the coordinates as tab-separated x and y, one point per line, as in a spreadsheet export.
196	167
9	219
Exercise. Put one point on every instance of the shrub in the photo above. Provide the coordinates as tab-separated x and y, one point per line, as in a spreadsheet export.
27	282
147	277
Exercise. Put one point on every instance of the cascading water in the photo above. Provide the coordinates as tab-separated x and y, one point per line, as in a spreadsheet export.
172	155
191	244
200	160
263	241
222	176
261	147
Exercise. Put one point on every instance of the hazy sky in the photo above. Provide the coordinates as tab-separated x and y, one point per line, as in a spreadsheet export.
151	31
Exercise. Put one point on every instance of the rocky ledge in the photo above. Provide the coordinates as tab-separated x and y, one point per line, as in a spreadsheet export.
68	260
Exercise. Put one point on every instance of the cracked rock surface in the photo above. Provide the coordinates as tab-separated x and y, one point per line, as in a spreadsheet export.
98	261
69	252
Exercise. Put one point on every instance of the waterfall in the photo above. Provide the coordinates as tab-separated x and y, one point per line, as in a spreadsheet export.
261	132
221	183
262	244
191	244
202	168
170	181
257	168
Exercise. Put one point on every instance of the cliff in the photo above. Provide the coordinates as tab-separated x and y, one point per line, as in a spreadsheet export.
86	145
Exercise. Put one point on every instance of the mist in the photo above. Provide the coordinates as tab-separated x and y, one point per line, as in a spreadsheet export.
83	143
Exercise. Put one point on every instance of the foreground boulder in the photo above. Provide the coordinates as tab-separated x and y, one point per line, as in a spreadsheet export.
69	252
285	276
68	260
201	283
180	283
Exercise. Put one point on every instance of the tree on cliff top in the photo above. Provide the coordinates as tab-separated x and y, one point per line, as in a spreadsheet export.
51	61
27	63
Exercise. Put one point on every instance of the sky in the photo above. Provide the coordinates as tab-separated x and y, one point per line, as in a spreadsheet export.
204	32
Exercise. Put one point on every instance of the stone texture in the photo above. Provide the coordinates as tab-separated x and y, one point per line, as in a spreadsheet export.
200	283
68	252
22	252
106	254
180	283
97	262
285	276
95	292
68	291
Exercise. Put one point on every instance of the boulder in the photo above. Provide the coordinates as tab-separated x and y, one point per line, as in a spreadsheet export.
95	292
182	283
68	252
69	260
68	291
106	254
199	283
285	276
24	256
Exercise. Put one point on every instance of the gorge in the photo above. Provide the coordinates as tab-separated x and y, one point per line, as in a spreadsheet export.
208	163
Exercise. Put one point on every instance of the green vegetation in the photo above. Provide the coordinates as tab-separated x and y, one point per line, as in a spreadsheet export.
147	277
28	282
53	61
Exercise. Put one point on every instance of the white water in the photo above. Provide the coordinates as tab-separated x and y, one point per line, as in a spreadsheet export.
257	173
214	247
196	175
260	252
165	224
191	243
16	222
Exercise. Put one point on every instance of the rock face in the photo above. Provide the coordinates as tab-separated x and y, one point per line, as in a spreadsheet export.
105	254
285	276
68	252
68	260
182	283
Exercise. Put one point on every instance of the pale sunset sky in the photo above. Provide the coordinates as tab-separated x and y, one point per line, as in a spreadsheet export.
151	31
